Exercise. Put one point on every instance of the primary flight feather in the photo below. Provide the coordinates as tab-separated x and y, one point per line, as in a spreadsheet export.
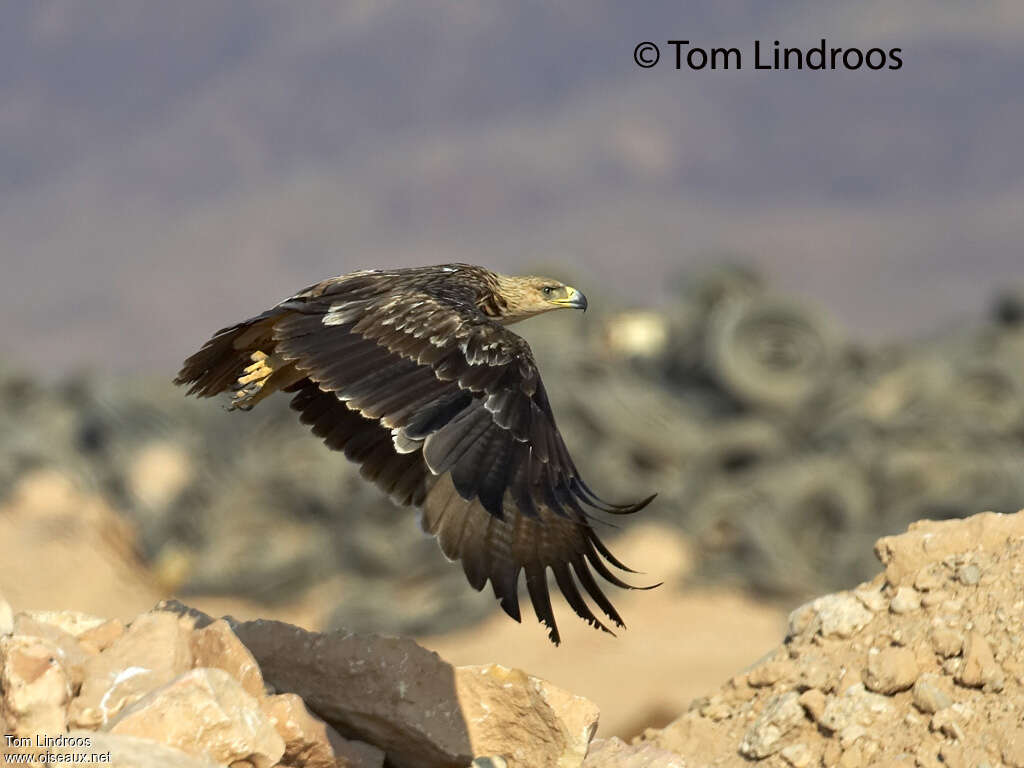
413	374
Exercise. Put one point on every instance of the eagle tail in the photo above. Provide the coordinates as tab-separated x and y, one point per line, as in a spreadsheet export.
242	359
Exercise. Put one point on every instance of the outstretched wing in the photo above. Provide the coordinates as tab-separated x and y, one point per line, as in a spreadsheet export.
444	409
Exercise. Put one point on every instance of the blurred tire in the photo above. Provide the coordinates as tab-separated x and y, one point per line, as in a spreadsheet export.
986	397
769	352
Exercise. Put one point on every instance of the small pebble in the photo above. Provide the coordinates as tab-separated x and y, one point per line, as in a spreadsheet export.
979	667
946	642
929	696
929	578
947	722
969	575
813	701
872	598
906	600
797	755
890	670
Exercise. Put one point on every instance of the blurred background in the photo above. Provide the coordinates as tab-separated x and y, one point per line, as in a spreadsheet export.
807	324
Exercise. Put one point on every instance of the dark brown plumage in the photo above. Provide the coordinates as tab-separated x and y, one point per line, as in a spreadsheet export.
413	374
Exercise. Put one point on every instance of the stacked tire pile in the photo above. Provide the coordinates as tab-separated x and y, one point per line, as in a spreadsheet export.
783	449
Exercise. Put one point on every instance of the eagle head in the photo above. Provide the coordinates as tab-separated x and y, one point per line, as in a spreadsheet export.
523	297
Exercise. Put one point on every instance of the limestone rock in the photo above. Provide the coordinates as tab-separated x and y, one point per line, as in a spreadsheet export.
103	636
310	742
890	670
527	720
217	646
394	694
856	706
70	652
615	753
72	622
389	692
840	615
130	752
204	711
153	651
764	737
34	684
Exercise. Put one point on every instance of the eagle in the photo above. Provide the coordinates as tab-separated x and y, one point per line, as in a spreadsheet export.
415	376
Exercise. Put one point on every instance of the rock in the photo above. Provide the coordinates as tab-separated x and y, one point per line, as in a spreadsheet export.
946	642
856	706
872	597
310	742
764	737
930	694
153	651
217	646
949	723
860	712
813	701
386	691
73	622
103	636
34	684
128	752
797	755
420	710
70	652
905	600
768	673
929	578
979	666
840	615
615	753
528	720
890	670
969	574
204	712
928	541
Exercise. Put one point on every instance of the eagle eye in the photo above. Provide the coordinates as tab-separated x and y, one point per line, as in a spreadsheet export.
548	290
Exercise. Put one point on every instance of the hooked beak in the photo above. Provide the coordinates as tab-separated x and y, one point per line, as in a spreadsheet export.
574	299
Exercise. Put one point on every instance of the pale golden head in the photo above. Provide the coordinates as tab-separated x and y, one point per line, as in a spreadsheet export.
533	295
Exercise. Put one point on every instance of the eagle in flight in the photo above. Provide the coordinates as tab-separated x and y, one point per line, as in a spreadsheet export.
415	376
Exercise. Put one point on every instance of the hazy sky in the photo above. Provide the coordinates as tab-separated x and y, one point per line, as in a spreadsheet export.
167	168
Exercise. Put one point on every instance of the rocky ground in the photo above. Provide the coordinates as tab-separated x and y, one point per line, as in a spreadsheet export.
923	666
